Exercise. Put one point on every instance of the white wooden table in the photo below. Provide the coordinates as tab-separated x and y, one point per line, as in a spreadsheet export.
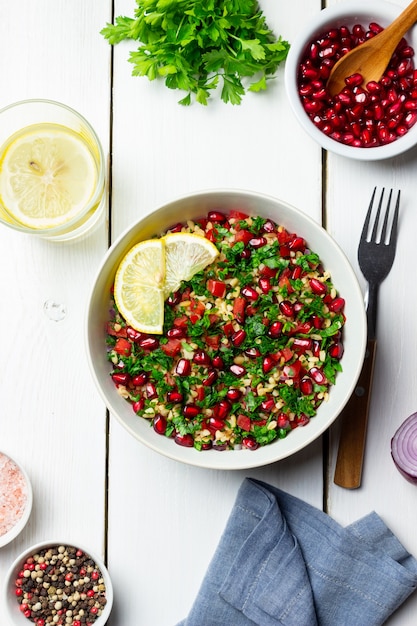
155	521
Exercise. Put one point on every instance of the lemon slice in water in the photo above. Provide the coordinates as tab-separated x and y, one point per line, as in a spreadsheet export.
186	255
47	175
139	286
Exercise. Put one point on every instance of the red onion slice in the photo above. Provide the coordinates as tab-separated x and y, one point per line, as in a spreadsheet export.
404	448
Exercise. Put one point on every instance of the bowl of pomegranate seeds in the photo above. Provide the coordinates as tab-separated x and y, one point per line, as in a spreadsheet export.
259	348
58	583
369	121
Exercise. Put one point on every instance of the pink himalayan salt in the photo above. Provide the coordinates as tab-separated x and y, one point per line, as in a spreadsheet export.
13	494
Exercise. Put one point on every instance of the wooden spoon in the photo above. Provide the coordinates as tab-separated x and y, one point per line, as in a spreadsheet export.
371	58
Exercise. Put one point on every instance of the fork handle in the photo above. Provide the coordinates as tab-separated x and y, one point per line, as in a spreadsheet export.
348	472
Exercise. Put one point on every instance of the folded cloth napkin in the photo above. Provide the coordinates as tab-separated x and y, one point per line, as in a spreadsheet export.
282	561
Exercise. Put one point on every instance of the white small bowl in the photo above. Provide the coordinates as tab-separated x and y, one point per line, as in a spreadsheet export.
16	617
18	478
192	207
345	13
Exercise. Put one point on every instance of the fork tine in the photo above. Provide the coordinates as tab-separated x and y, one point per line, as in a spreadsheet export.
365	228
385	224
378	213
394	227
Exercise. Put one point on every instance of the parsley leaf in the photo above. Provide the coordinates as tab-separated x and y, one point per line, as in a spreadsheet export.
198	45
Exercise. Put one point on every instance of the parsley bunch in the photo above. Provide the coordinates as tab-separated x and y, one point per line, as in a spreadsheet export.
199	45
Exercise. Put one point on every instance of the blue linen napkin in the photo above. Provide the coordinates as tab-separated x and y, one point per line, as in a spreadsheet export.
281	561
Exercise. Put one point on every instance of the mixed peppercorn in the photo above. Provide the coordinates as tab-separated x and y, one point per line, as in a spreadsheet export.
251	344
60	585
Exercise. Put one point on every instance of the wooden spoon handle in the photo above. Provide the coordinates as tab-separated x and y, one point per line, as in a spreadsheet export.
404	21
348	472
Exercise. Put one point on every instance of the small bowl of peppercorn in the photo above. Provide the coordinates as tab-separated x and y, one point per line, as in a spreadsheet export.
58	583
372	121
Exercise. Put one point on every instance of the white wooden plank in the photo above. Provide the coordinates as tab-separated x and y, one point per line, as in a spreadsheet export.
173	514
51	415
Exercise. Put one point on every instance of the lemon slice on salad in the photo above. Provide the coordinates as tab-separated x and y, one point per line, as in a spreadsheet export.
153	269
186	255
47	175
139	286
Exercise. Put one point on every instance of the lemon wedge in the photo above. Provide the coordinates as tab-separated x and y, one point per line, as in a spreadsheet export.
139	286
151	270
47	175
186	255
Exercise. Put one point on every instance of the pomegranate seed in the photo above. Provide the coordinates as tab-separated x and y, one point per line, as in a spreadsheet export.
174	299
134	335
190	411
201	358
211	378
218	362
149	343
318	287
233	394
265	284
302	420
253	353
337	305
140	379
151	391
238	337
269	226
283	421
250	443
176	333
275	329
268	404
184	440
216	216
302	344
257	242
268	364
250	293
121	379
336	350
317	375
159	424
174	396
306	386
215	423
238	370
183	367
222	409
297	244
286	308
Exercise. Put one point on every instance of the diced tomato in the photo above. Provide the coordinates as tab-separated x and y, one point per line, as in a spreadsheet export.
292	370
243	235
172	347
216	287
121	332
239	306
228	329
237	215
194	318
123	347
211	234
200	394
287	354
213	341
284	236
243	421
213	318
197	307
181	322
284	281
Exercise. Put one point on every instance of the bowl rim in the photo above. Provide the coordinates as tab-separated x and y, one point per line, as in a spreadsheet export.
262	456
356	11
23	519
8	584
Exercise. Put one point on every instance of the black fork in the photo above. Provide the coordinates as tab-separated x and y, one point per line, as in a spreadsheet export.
376	255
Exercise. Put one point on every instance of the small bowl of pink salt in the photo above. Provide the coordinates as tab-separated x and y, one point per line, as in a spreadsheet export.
15	498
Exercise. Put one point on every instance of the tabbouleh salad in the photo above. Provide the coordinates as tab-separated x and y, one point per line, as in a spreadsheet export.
251	344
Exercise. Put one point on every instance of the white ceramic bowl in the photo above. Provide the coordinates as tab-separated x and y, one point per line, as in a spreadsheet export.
16	617
192	207
345	13
15	484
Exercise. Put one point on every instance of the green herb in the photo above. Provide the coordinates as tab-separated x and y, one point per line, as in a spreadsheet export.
199	45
